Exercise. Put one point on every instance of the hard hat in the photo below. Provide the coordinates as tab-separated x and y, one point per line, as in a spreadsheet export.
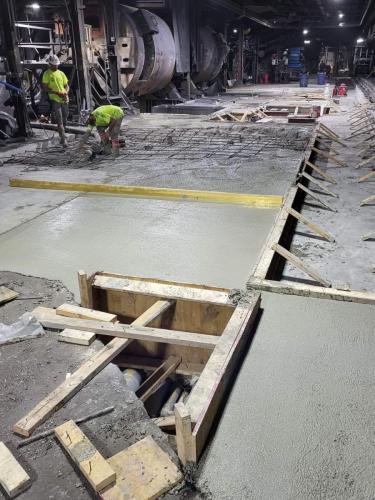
53	60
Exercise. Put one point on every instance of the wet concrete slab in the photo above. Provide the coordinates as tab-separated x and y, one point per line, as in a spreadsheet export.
177	240
298	421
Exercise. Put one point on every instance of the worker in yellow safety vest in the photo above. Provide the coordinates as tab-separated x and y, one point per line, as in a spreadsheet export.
107	119
55	82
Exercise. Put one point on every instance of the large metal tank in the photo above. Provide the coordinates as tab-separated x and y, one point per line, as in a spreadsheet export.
211	52
147	51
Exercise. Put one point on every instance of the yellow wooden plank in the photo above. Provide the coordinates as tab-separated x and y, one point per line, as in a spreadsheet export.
76	337
84	454
13	478
144	472
252	200
72	311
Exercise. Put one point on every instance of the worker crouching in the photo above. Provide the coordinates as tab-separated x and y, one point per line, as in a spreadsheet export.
107	119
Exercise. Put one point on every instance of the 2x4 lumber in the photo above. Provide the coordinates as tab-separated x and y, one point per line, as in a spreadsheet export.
368	236
90	462
184	438
300	265
320	172
328	156
368	200
366	162
313	291
314	227
72	311
367	130
208	393
165	423
251	200
313	195
162	288
155	380
86	372
84	290
328	130
6	295
330	148
47	318
13	477
324	133
267	254
76	337
319	184
366	177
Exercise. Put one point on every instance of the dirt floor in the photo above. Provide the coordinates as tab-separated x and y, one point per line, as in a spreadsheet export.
31	369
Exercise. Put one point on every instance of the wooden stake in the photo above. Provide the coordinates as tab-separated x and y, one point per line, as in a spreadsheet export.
368	200
331	149
332	137
366	177
300	265
314	227
184	437
367	130
366	162
154	381
84	290
368	236
317	169
313	195
329	130
321	186
328	156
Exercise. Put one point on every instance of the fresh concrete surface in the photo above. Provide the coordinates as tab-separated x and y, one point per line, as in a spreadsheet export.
298	424
183	241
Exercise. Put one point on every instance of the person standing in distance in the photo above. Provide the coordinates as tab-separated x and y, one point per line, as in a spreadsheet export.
55	83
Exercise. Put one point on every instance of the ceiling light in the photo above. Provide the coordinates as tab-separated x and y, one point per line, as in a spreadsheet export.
341	25
305	31
307	42
35	6
341	15
235	30
360	40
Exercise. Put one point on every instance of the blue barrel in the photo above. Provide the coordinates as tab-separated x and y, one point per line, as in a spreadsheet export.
321	78
304	80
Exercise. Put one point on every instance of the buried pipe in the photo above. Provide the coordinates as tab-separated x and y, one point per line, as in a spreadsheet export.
168	408
133	379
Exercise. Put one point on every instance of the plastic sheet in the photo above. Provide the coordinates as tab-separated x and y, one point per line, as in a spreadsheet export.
24	328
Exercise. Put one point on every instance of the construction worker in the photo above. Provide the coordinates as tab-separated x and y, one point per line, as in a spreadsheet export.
107	119
55	82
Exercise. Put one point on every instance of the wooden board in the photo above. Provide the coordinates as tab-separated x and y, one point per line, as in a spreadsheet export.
13	477
76	337
144	472
207	394
184	437
151	363
154	381
49	319
84	454
313	227
72	311
289	288
6	295
76	381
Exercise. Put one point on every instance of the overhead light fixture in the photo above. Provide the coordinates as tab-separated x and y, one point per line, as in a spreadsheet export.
360	40
307	42
341	15
305	31
235	30
341	25
35	6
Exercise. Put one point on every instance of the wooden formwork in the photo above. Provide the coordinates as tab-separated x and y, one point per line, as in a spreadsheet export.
195	309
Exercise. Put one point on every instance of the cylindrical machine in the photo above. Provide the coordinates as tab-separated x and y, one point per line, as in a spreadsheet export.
147	51
211	52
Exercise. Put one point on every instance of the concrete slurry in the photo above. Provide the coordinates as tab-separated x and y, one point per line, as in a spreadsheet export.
298	423
183	241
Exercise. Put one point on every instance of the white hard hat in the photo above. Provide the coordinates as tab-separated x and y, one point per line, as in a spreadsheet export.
53	60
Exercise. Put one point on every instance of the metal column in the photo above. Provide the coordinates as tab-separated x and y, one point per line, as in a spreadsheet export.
80	55
111	30
14	70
